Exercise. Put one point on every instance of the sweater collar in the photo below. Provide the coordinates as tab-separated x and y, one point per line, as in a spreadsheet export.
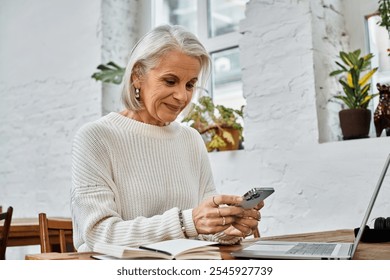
153	131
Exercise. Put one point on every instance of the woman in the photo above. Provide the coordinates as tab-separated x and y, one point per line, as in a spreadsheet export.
140	177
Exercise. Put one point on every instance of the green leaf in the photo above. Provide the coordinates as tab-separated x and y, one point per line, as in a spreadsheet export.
109	73
353	58
357	52
355	78
342	66
346	101
368	57
346	59
113	64
103	67
336	72
365	89
367	77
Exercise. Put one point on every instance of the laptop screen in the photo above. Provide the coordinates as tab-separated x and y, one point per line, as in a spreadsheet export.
371	205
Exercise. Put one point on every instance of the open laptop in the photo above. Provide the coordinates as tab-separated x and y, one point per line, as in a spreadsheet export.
311	250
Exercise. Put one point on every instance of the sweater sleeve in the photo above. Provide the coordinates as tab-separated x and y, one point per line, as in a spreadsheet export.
94	205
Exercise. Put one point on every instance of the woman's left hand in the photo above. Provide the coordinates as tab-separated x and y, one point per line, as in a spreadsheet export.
245	224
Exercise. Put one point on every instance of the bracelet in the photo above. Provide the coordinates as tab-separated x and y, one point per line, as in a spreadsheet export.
183	228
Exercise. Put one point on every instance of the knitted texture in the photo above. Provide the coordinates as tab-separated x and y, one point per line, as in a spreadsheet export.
129	180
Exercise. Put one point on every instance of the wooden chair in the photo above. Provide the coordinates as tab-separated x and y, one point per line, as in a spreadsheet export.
7	217
55	234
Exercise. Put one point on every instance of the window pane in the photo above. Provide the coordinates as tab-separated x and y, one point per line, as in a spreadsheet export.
179	12
225	15
226	79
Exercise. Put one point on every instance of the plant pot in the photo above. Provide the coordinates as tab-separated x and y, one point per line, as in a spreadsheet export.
236	136
355	123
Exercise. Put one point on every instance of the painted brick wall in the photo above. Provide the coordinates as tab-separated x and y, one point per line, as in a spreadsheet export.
120	31
329	38
48	52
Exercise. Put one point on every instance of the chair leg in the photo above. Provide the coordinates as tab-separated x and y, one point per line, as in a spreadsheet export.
7	217
62	241
44	234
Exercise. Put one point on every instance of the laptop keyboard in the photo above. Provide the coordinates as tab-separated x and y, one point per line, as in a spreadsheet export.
312	249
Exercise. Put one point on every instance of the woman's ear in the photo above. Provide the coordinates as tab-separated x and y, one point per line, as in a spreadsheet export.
136	76
135	81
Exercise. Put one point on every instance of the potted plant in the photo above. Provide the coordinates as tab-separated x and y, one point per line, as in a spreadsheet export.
355	121
220	126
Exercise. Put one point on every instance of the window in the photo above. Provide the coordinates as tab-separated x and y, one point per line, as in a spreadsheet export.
216	23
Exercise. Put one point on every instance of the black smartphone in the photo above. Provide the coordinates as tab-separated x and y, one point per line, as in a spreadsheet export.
255	196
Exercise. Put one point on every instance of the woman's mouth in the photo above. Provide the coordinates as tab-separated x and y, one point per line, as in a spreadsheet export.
174	108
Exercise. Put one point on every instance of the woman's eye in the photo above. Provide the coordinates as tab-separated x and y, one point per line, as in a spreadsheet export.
170	82
190	86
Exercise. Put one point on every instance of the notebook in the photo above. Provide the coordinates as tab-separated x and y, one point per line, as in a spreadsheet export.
311	250
179	249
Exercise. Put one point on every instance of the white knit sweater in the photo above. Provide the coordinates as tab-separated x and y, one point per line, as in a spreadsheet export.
130	179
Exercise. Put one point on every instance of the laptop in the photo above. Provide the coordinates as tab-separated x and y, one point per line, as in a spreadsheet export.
311	250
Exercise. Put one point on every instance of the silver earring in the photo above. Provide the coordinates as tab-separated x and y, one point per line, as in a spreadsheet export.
137	93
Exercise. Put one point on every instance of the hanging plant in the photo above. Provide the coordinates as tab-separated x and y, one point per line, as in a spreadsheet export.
384	12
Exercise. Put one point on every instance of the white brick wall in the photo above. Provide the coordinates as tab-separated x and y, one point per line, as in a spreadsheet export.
119	32
48	52
329	38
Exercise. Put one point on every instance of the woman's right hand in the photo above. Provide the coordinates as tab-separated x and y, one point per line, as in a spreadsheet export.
210	218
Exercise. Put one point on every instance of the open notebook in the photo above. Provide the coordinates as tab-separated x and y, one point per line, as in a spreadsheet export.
311	250
170	249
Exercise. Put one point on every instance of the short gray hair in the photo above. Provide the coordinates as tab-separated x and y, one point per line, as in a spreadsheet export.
146	54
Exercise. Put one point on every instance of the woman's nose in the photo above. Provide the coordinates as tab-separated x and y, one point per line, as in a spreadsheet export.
181	94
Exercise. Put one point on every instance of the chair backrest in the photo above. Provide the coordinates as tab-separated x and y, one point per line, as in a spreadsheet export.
55	234
7	217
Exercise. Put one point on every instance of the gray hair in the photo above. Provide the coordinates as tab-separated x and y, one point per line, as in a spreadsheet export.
146	54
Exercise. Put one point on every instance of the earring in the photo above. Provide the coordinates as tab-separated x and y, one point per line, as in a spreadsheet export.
137	93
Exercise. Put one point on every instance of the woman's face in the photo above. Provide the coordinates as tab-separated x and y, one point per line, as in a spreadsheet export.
167	88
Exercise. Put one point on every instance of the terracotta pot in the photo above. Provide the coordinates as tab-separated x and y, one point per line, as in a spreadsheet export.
355	123
236	136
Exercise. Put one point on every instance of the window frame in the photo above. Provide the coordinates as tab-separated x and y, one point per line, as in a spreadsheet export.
212	44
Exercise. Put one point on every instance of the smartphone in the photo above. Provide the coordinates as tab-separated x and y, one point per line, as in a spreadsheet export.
255	196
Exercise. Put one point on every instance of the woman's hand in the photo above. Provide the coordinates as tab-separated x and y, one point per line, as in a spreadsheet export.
245	225
210	218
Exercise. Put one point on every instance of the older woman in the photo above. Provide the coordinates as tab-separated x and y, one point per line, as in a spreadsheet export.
140	177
